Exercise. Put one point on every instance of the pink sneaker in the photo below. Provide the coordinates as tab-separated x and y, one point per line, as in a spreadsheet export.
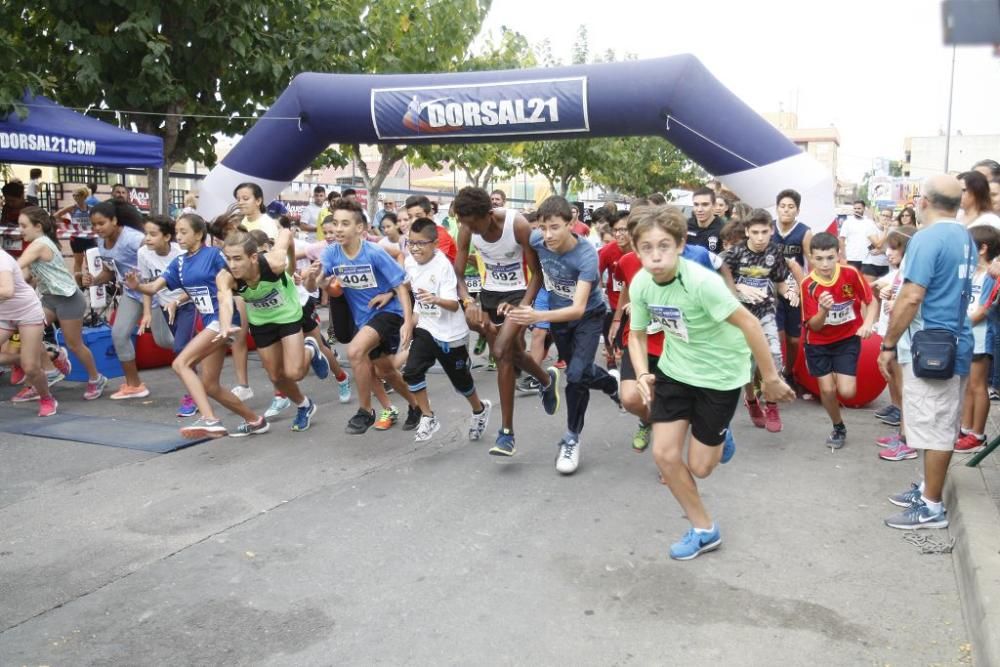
889	440
95	389
62	363
47	406
900	452
772	420
26	394
17	375
756	414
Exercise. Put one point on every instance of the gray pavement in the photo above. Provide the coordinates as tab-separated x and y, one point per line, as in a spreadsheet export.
327	549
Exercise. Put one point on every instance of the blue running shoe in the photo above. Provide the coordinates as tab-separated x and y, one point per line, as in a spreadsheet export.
693	544
890	417
728	447
303	417
916	517
320	366
505	444
906	498
550	394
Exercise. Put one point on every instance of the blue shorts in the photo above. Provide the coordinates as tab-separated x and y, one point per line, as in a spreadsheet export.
789	319
541	303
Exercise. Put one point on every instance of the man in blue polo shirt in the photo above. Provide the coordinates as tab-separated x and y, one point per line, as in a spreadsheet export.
936	273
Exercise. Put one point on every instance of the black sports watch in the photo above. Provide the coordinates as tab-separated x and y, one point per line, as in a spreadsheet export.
887	348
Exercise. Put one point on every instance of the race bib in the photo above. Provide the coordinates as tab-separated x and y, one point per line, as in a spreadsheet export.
360	276
505	275
430	310
273	299
841	313
756	283
561	289
617	285
670	320
474	284
11	243
202	299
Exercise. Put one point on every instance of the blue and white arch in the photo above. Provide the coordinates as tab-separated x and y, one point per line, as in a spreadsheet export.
676	98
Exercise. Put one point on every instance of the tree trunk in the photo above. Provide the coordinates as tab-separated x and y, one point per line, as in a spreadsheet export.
159	198
390	156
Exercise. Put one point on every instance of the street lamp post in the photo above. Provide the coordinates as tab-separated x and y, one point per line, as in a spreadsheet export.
951	94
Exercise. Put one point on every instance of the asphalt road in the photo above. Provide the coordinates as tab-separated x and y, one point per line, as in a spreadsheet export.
321	548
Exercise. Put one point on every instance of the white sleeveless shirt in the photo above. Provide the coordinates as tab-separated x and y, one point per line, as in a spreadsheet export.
503	259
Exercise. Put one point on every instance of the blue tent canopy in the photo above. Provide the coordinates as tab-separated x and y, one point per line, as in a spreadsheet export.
51	134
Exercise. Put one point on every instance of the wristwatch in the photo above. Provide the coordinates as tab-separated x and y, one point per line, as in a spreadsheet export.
887	348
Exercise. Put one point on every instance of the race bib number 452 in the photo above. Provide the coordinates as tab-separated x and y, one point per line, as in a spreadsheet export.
357	276
670	319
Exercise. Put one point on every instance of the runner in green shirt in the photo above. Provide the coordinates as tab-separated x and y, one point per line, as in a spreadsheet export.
266	284
709	338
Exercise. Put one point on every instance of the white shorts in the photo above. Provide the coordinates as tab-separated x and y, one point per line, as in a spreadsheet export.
932	410
31	321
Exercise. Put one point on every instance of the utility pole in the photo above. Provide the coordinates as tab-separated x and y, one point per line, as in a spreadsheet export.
951	94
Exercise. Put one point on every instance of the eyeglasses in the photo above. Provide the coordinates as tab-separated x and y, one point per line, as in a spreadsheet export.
620	230
421	244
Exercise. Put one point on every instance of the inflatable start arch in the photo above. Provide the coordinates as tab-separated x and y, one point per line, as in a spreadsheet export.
676	98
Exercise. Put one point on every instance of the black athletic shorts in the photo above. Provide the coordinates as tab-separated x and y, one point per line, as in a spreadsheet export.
874	270
840	357
709	411
309	322
341	319
491	301
387	326
628	371
81	245
266	335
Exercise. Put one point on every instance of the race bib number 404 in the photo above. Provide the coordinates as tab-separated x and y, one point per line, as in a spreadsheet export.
670	319
357	276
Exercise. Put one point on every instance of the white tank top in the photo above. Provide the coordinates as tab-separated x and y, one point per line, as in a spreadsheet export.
503	259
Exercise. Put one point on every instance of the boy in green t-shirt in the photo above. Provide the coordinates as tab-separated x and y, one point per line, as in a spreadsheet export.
706	359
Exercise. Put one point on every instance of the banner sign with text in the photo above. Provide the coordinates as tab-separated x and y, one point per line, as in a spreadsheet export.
544	106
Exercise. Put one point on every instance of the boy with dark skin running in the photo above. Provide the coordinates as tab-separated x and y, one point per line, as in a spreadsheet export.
503	240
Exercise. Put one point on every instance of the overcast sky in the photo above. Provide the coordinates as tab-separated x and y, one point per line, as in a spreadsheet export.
876	69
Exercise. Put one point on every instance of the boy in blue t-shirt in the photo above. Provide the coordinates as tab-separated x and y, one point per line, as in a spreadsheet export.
373	284
576	313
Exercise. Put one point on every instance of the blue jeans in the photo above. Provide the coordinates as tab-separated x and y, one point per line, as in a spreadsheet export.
577	343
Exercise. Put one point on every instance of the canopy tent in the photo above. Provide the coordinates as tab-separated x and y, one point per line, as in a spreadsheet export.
51	134
676	98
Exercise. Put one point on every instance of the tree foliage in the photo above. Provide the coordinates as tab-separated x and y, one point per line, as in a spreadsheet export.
639	166
481	162
411	37
182	63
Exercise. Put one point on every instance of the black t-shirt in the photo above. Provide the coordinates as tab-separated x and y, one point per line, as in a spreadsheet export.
707	237
760	270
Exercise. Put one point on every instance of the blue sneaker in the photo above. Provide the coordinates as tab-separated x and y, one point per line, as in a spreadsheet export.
344	389
505	444
728	447
187	408
916	517
906	498
891	416
693	544
303	417
550	394
320	366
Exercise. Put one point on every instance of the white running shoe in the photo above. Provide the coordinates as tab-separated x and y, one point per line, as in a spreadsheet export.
568	459
243	392
478	423
428	426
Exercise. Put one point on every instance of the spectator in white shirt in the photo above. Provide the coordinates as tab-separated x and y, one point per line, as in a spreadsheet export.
857	234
